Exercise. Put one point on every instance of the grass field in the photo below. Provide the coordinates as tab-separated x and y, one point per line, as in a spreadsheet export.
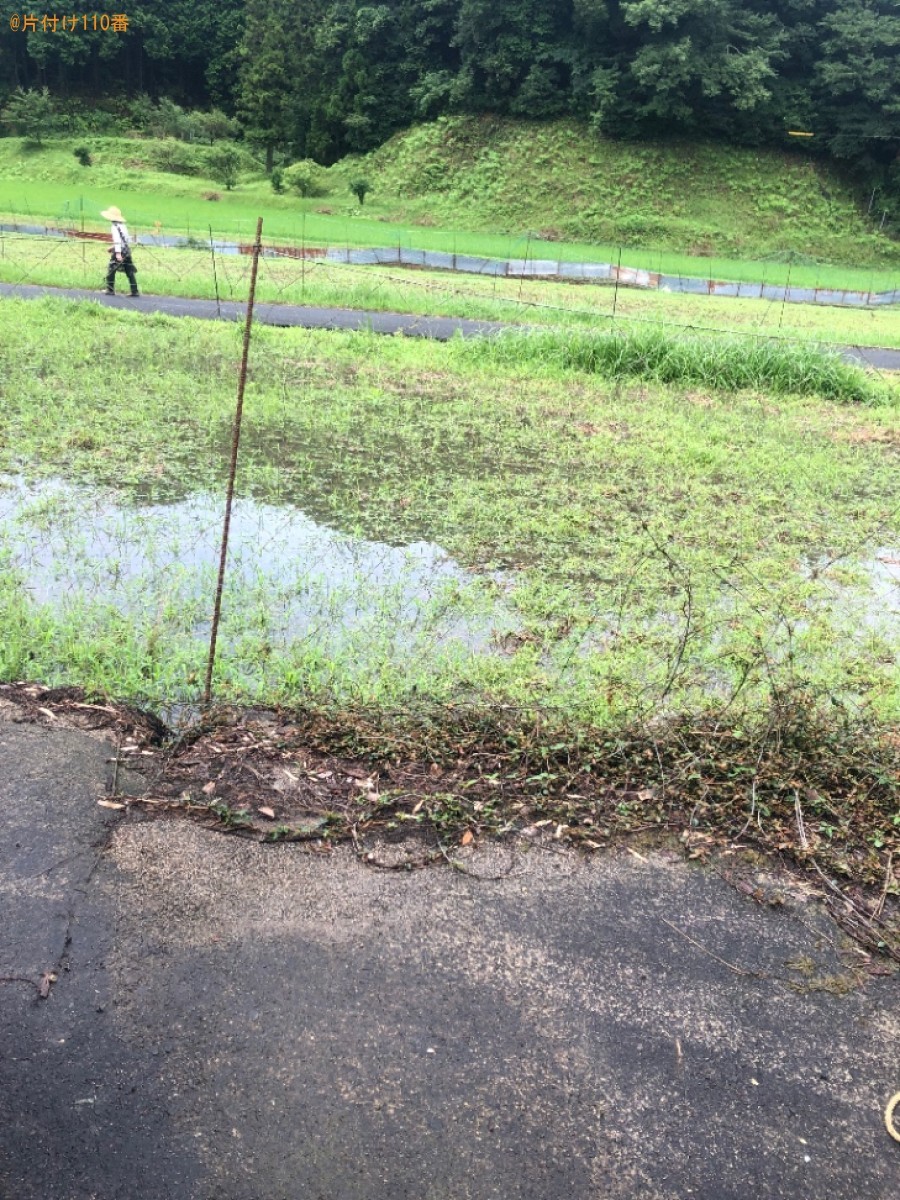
612	573
183	272
503	190
449	445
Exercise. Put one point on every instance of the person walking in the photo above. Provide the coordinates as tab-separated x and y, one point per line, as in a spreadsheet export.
120	255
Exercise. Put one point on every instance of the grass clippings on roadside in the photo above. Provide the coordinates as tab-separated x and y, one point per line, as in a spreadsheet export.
419	790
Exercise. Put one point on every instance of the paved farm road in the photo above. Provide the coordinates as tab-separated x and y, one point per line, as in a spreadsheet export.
286	315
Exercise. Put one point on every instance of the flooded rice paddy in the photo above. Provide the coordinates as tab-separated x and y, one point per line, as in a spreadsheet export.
296	587
288	576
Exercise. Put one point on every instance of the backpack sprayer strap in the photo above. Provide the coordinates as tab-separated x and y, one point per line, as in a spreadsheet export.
125	250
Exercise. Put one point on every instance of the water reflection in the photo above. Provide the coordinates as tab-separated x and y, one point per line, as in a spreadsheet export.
67	541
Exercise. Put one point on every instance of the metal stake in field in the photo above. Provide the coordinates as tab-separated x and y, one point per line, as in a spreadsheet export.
616	290
525	267
212	250
235	442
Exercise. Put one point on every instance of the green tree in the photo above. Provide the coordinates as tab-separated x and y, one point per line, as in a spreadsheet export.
211	127
858	81
31	113
264	94
692	64
512	55
427	31
360	188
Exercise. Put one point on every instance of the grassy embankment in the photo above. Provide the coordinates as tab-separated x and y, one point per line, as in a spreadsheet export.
680	577
502	189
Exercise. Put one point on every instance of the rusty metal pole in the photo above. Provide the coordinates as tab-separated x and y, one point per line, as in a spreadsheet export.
235	442
525	267
212	251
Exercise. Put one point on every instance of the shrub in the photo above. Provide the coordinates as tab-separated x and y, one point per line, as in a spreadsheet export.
360	188
170	120
210	127
640	226
83	155
82	119
224	164
305	178
277	180
171	155
141	112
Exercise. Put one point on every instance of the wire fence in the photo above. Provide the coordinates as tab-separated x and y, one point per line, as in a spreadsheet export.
520	291
526	256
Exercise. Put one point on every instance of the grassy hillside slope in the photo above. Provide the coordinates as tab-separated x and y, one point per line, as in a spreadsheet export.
562	182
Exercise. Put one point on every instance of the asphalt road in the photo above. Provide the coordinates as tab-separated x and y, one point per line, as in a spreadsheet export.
294	315
237	1021
284	315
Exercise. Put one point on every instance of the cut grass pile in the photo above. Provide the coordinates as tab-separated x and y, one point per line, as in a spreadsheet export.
185	272
473	778
696	576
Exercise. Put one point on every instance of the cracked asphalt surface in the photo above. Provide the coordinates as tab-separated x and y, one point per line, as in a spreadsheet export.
240	1021
307	317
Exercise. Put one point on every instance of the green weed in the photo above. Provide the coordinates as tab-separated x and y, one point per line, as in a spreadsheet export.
720	363
656	547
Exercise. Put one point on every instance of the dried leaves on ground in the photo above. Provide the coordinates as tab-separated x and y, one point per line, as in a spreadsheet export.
822	797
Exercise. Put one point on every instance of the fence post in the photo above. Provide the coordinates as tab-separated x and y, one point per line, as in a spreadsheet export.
235	442
525	266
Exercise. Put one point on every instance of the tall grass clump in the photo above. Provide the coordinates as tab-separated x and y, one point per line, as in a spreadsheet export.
718	363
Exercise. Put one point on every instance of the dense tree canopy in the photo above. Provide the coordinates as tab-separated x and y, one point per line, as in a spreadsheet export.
319	78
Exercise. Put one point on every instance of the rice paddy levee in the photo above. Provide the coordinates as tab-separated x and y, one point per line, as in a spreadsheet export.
562	581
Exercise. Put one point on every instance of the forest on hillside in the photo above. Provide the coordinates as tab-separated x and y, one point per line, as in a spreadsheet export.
321	78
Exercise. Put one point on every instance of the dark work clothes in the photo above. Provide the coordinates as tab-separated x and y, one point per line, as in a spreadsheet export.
126	265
